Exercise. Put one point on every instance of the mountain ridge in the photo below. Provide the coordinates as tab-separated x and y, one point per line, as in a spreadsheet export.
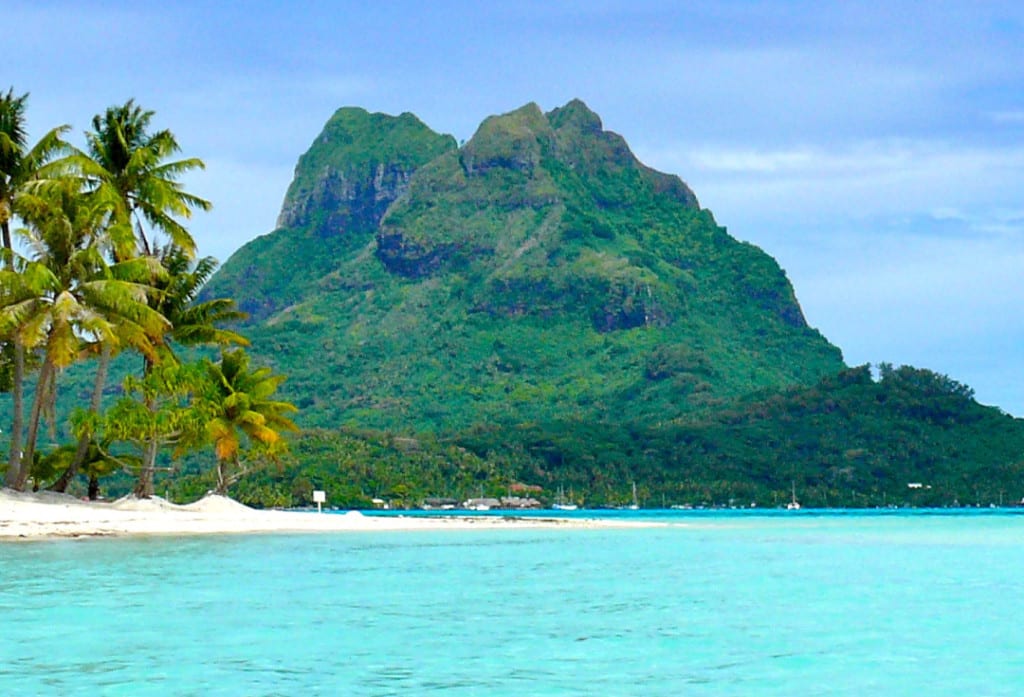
538	270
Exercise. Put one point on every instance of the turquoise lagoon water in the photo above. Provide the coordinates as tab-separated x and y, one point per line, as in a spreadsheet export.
712	604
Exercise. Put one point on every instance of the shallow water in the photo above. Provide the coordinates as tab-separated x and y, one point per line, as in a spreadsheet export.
716	605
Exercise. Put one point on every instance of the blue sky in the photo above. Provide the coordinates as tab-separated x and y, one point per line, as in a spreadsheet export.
875	149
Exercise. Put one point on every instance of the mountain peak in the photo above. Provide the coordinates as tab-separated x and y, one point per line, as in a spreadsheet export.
575	115
515	140
572	134
356	167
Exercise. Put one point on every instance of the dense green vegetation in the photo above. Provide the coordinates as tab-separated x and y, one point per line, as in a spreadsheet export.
848	441
539	307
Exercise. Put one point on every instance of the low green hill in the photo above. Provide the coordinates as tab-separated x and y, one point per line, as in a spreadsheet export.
909	438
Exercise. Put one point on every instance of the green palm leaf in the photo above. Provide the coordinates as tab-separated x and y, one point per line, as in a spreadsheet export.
241	411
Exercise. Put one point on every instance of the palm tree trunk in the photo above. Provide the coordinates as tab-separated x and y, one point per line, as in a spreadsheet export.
17	417
46	374
17	386
144	487
5	227
102	369
222	480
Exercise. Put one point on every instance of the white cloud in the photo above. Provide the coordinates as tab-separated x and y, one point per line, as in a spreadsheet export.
877	157
947	213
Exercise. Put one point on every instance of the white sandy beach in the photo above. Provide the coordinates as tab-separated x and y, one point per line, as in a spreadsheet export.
26	516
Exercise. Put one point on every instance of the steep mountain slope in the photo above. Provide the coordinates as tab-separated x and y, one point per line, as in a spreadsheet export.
538	273
359	165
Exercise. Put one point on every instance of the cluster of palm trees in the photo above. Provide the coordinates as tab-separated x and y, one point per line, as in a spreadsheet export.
96	261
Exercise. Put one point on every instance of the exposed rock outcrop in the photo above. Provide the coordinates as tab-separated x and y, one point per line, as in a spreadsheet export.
358	166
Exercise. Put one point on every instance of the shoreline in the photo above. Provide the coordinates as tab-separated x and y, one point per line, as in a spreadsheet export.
47	516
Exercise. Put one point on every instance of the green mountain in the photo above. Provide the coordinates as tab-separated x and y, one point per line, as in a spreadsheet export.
537	274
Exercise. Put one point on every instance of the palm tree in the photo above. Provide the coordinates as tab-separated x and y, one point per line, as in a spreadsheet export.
128	166
192	324
142	270
65	293
243	416
158	410
19	164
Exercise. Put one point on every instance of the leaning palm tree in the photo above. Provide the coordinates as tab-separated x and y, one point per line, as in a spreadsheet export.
19	165
64	292
131	168
192	324
244	423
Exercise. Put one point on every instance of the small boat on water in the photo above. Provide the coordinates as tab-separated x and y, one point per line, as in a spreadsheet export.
563	504
793	504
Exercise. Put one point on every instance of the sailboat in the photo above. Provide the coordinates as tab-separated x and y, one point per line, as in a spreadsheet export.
561	504
793	504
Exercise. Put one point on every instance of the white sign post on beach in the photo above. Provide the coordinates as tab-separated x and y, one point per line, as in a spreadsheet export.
319	498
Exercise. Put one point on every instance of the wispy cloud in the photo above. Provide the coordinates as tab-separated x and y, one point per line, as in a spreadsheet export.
861	180
1015	118
911	157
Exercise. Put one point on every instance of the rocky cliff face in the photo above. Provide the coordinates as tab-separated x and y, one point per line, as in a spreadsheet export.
347	201
358	166
545	206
